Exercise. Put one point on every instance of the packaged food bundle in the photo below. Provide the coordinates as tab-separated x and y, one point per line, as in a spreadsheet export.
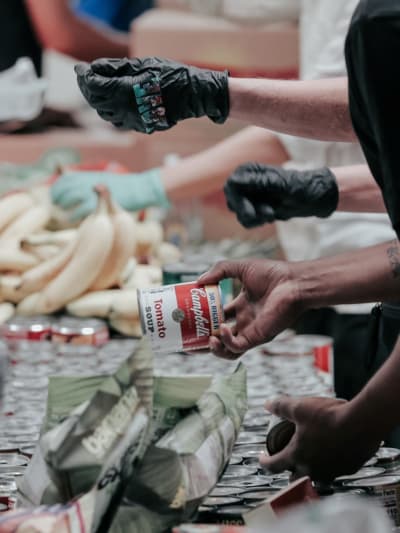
137	452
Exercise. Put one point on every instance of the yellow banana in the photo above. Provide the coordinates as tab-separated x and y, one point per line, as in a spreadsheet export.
168	253
94	242
7	310
102	303
31	305
41	251
58	238
144	276
10	289
124	240
149	236
12	206
37	278
32	220
13	259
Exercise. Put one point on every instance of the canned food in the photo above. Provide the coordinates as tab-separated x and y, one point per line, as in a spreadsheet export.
219	501
363	473
236	460
240	471
258	494
80	331
279	434
386	489
180	317
7	503
387	455
12	460
250	438
36	328
224	491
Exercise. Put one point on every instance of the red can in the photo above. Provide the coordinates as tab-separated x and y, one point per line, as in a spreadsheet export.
36	328
80	331
180	317
322	349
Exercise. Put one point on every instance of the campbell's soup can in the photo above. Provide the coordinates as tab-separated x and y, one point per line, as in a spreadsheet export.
74	330
180	317
36	328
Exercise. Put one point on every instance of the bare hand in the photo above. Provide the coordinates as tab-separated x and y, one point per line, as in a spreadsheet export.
328	441
267	304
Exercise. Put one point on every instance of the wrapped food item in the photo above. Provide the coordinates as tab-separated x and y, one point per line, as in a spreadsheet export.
183	465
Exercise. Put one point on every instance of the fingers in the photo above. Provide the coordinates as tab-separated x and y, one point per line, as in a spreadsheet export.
285	407
222	270
117	67
85	209
278	462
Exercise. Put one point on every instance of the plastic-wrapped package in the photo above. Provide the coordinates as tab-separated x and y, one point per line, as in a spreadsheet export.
21	92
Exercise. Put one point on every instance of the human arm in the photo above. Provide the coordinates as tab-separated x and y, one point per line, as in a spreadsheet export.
349	433
316	109
275	293
260	194
153	94
59	28
358	191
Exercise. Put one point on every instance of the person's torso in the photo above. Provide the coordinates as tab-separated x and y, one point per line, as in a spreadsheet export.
17	36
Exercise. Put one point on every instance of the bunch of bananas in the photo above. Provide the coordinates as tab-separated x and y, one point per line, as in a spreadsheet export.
91	270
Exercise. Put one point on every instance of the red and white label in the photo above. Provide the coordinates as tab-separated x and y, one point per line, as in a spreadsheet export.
180	317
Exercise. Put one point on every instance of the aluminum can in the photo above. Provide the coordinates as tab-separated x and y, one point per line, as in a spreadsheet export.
386	489
80	331
35	328
180	317
279	434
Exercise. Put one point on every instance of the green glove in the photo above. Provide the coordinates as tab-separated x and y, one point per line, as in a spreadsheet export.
131	191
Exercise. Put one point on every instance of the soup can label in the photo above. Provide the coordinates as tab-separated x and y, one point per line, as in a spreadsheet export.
180	317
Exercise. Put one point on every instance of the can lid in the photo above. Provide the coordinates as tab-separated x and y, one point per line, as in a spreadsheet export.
384	455
363	473
217	501
375	481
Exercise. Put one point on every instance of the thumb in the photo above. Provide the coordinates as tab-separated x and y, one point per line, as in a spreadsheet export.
81	68
222	270
278	462
284	407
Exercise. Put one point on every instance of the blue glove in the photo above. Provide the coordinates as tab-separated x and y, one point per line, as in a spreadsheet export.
133	192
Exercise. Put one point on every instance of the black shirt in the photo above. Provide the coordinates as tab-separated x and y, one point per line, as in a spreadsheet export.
17	36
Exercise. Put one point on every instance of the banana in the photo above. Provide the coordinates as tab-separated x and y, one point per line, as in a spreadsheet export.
94	242
7	310
32	220
128	271
11	258
37	278
58	238
144	276
42	251
10	289
168	253
130	328
30	305
149	236
12	206
102	303
124	240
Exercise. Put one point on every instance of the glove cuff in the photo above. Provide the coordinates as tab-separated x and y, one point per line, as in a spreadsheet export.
329	196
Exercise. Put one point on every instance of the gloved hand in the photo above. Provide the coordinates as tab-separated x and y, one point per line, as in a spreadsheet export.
259	194
131	191
152	94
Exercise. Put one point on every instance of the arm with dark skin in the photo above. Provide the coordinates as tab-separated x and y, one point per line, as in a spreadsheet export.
332	437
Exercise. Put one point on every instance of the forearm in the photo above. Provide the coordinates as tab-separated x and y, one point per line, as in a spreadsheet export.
358	190
314	109
367	275
375	407
60	29
207	171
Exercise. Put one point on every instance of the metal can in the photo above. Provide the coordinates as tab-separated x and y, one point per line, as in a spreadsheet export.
386	489
190	269
80	331
279	434
387	456
363	473
34	328
322	349
180	317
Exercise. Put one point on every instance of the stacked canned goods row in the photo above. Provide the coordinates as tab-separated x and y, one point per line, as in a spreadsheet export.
29	365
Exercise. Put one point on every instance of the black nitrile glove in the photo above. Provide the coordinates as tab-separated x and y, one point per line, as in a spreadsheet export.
152	94
260	194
